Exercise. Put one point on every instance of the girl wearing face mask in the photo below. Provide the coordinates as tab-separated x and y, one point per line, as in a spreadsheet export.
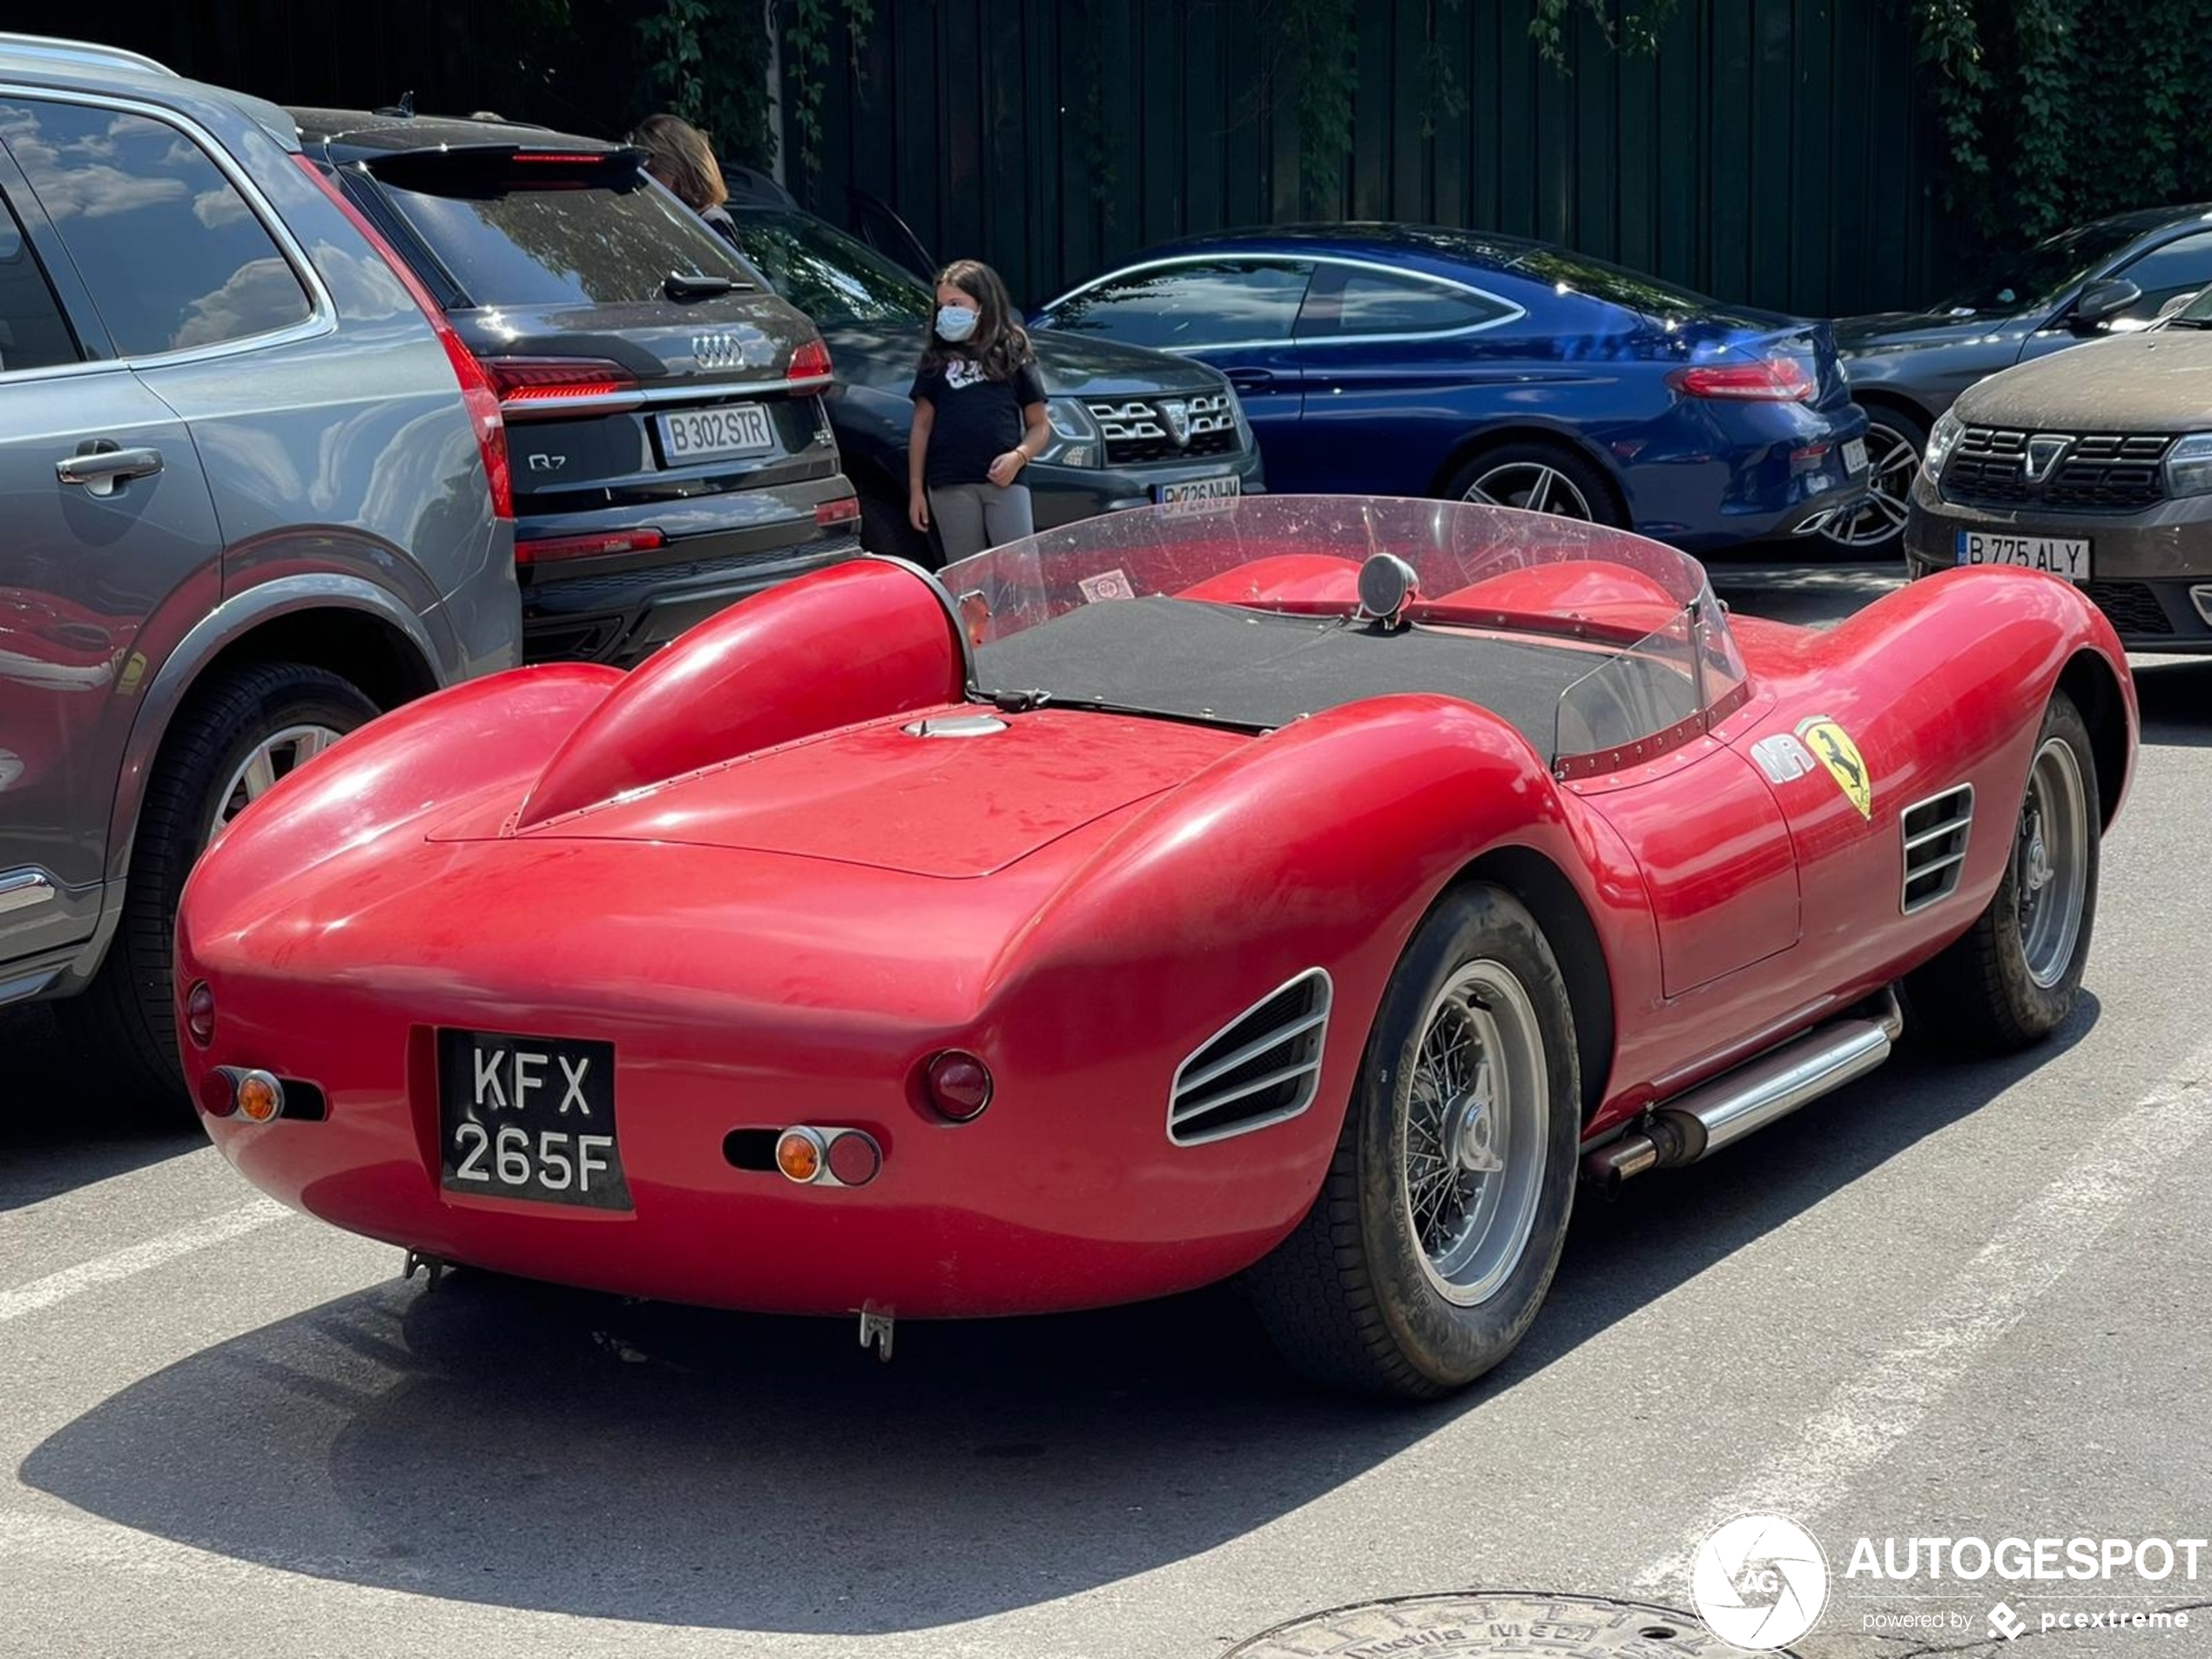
979	416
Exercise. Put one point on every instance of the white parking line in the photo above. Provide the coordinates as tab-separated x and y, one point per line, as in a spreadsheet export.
122	1264
1882	1404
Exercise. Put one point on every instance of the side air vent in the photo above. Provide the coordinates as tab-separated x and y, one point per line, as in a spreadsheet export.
1260	1068
1935	845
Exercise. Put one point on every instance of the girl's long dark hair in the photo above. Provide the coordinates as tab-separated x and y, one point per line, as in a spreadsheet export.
999	344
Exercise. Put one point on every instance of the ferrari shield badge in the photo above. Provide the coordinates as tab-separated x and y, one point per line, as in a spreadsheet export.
1840	755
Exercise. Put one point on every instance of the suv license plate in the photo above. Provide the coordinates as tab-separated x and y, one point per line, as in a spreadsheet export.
1198	494
714	434
529	1117
2060	555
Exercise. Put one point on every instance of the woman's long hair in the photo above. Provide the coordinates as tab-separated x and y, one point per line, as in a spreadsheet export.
999	345
679	155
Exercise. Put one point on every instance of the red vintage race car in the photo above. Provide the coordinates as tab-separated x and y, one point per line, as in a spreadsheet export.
1306	889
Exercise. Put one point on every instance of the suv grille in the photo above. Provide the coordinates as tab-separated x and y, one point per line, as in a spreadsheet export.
2098	472
1260	1068
1138	430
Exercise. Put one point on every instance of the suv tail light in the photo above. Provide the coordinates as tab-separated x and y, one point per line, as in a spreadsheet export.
844	510
522	382
1776	379
810	365
549	549
477	395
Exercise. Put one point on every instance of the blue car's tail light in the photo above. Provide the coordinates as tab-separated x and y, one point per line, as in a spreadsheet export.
1773	380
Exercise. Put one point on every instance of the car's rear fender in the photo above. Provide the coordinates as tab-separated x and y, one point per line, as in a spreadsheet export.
1322	845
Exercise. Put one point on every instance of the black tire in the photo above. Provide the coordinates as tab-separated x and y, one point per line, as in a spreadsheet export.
1505	468
1983	994
886	528
1351	1298
126	1017
1872	532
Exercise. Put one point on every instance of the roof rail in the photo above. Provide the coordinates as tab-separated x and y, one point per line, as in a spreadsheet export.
83	54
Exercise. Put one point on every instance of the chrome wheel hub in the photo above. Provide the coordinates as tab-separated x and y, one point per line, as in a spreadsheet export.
1892	459
275	757
1475	1115
1533	487
2051	862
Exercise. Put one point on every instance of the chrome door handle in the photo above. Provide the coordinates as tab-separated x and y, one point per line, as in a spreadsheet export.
101	469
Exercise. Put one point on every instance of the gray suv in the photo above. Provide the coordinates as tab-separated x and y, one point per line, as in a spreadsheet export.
255	492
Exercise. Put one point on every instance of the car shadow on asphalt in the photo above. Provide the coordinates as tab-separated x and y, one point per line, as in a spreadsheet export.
55	1135
2176	700
499	1443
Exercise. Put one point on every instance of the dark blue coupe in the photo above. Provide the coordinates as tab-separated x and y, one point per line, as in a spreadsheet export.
1400	360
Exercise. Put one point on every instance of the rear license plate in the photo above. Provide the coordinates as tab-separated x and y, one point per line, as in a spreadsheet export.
529	1117
1197	494
1854	455
715	434
2062	556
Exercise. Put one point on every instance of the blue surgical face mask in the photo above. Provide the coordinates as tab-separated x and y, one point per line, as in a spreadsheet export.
955	323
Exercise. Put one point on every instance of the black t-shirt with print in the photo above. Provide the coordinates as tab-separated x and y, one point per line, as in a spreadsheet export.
978	419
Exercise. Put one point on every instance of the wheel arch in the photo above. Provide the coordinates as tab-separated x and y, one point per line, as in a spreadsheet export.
2090	681
1559	911
342	624
1871	398
1473	446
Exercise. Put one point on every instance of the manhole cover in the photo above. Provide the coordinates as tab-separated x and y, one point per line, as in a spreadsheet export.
1476	1625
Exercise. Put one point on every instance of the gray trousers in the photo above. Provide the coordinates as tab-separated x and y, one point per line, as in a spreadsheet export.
971	517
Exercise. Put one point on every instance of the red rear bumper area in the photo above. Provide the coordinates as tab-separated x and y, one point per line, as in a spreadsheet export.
1062	1194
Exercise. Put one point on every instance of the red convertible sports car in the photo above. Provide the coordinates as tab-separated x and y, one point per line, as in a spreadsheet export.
1306	890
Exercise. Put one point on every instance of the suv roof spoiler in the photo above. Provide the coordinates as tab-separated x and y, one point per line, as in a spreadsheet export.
83	54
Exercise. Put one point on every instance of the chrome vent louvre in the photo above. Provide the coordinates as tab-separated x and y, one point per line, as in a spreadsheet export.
1935	845
1261	1068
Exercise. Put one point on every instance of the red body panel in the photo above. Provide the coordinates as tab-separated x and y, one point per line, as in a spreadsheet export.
740	868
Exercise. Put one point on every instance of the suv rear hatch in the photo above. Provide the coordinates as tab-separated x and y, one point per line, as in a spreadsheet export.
669	447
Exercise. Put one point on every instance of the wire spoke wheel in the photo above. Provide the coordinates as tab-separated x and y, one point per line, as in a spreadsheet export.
276	756
2051	863
1532	486
1476	1112
1893	457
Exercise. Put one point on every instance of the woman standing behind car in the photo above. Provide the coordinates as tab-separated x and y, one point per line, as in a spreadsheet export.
979	416
678	154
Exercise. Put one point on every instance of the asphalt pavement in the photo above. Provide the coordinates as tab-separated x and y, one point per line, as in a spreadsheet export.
1955	1300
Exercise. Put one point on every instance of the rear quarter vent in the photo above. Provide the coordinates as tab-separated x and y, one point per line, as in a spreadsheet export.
1263	1066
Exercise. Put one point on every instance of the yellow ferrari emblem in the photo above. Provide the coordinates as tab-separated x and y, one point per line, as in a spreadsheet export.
1840	755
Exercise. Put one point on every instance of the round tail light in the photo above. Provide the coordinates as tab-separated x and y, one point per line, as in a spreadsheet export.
199	1014
217	1093
260	1096
854	1158
957	1084
800	1154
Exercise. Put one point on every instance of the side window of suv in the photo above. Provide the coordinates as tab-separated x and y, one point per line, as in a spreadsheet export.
173	257
33	332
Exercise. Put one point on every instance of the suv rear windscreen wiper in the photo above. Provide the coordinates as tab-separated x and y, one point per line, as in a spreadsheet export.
681	285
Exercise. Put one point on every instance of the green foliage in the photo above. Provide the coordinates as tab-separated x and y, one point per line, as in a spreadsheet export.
708	62
1632	26
2058	111
1322	39
808	35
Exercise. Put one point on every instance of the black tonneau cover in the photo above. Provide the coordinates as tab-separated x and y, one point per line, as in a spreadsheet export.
1262	670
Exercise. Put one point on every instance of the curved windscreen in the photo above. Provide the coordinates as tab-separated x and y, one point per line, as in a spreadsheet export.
1601	647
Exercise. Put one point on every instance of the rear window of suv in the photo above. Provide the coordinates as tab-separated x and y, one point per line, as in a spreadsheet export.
539	233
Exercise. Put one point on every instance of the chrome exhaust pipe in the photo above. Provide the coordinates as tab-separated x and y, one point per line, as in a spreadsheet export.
1684	1130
